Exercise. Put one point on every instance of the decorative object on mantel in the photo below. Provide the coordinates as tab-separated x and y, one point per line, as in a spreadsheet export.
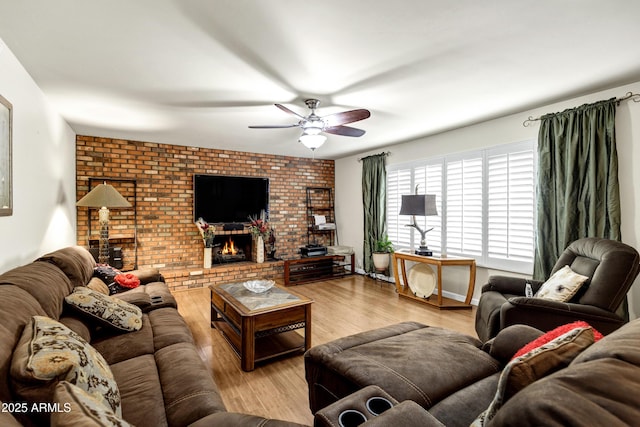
423	205
270	244
261	230
208	234
104	196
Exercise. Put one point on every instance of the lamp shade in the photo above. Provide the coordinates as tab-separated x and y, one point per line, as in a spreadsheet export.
312	141
103	195
419	204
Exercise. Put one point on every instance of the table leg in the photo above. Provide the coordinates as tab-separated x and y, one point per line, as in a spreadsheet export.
439	284
472	282
248	343
307	327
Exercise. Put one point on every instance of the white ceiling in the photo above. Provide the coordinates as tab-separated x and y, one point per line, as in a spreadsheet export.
197	72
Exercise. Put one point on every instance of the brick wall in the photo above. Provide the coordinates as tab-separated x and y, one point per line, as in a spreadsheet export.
163	174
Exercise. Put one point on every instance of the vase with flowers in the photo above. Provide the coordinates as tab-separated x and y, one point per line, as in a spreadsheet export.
261	230
207	231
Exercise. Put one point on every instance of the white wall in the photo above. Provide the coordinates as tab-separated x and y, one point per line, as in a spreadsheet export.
44	181
495	132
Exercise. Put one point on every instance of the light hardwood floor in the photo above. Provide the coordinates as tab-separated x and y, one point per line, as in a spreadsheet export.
341	307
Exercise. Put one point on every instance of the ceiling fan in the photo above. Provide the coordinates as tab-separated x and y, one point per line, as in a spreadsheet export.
313	125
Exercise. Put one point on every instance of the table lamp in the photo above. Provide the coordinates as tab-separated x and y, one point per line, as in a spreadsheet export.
423	205
103	196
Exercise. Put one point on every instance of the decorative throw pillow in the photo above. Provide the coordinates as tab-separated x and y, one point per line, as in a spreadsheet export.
49	352
108	275
562	285
127	280
106	310
78	408
531	366
555	333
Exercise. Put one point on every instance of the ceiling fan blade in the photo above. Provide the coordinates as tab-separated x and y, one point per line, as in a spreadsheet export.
344	131
345	117
286	110
274	126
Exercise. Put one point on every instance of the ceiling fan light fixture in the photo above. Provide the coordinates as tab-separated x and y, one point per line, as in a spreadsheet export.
313	127
312	141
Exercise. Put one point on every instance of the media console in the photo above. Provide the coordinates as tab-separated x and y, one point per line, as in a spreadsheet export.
313	268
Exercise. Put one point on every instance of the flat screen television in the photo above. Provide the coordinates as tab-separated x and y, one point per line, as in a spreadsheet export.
228	199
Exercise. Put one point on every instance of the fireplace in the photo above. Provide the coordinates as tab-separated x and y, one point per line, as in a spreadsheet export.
231	248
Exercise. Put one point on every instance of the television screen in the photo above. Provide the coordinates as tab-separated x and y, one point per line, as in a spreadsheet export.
226	199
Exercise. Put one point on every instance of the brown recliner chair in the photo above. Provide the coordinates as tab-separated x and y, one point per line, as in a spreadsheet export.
611	267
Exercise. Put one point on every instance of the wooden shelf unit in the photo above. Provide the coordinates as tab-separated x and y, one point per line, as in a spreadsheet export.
320	202
309	269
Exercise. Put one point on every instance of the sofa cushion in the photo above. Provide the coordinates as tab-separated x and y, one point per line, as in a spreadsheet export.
601	392
463	406
169	328
77	325
44	281
18	309
116	347
535	364
562	285
96	284
49	352
79	408
106	310
75	261
141	391
188	388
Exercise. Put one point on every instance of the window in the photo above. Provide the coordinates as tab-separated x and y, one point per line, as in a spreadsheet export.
485	202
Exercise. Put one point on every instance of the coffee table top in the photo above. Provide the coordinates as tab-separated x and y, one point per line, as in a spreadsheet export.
250	302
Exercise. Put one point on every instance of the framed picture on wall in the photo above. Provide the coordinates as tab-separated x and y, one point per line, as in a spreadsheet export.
6	200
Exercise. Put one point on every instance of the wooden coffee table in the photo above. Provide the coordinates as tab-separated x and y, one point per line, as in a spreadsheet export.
260	326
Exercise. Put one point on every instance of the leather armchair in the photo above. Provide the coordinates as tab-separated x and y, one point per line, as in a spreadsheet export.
611	267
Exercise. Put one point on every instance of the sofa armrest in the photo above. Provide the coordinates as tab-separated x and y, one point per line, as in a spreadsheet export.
510	285
545	314
406	414
391	413
147	275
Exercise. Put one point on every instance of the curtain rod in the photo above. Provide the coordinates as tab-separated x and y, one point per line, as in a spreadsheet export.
386	153
629	95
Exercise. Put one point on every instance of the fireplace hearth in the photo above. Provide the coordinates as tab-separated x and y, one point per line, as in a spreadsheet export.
232	248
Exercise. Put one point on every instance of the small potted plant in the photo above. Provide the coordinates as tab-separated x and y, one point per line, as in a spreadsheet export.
383	247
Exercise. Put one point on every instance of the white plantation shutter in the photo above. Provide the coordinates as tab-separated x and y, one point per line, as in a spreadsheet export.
485	201
510	210
464	198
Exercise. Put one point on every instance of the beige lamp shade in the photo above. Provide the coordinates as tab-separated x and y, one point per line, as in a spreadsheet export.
104	195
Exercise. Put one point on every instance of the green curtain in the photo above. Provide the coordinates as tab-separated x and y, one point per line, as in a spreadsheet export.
578	194
374	201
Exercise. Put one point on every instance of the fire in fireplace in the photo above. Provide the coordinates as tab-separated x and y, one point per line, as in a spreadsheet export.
231	248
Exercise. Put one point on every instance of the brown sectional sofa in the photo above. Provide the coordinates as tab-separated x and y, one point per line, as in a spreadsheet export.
455	377
161	379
